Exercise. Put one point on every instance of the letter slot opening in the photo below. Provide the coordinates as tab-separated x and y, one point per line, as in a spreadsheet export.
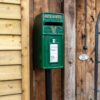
53	23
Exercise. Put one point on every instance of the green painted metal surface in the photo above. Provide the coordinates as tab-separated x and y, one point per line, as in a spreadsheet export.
48	38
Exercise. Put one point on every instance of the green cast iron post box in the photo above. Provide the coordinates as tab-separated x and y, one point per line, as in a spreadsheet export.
49	40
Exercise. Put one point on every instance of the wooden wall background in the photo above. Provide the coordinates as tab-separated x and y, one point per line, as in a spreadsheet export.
85	69
10	50
37	6
83	88
14	50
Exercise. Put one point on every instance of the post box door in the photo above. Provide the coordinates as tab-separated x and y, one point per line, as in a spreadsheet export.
53	51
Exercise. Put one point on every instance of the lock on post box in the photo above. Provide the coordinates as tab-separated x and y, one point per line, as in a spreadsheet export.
49	40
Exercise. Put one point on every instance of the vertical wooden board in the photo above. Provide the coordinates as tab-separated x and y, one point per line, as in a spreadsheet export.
11	97
40	84
10	11
91	45
32	94
97	7
56	84
70	46
55	6
10	72
10	27
10	42
10	87
10	1
40	6
80	65
44	5
10	57
39	79
37	7
25	50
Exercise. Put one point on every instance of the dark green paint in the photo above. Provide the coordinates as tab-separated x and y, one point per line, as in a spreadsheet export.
48	26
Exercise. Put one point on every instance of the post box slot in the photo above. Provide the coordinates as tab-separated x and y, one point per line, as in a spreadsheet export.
53	23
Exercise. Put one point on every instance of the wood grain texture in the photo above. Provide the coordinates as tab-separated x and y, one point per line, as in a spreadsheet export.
10	57
10	27
11	97
25	40
85	69
10	42
10	87
32	84
70	49
10	72
80	65
39	74
10	1
55	6
97	7
91	21
9	11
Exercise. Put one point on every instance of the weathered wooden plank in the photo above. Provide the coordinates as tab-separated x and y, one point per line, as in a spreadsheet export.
10	87
55	6
32	84
80	65
10	57
10	27
10	42
10	1
70	48
91	20
97	7
11	97
25	50
39	6
10	72
9	11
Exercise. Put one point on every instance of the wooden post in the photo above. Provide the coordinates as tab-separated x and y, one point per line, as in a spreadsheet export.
25	50
70	46
39	74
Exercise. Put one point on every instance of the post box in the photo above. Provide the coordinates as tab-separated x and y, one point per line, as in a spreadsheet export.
48	38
